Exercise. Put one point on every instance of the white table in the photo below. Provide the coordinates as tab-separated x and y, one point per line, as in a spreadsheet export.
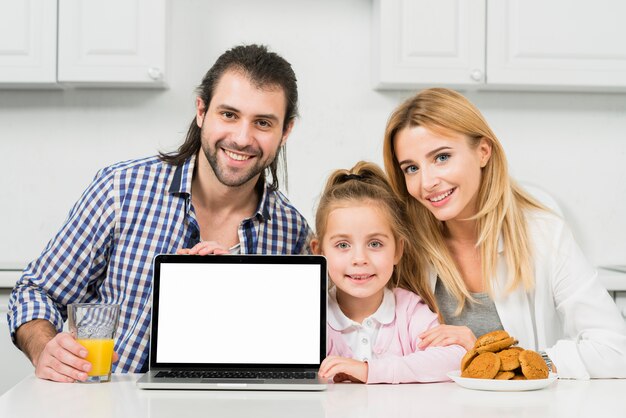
33	397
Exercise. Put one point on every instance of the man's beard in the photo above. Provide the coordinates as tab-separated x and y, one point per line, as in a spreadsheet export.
236	178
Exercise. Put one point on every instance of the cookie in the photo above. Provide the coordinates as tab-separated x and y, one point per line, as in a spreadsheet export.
504	375
497	346
518	377
533	365
491	337
467	358
509	358
484	366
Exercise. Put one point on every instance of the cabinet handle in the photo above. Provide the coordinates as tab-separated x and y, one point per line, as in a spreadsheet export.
476	75
155	73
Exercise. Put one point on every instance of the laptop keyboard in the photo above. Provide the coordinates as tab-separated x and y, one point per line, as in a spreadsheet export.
226	374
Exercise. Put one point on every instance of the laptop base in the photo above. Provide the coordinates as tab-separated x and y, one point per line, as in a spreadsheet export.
149	381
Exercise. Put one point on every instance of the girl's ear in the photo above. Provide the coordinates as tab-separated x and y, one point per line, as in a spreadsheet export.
399	251
315	247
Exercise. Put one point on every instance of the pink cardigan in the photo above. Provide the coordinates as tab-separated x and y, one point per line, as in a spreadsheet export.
396	358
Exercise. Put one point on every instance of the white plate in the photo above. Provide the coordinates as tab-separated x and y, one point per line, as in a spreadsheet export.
501	385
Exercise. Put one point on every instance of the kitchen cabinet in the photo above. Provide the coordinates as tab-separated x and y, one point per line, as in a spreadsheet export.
84	42
28	42
428	42
569	45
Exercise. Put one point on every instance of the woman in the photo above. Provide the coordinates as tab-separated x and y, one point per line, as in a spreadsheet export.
499	259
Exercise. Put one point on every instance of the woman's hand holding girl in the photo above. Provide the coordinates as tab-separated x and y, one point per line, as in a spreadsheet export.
444	335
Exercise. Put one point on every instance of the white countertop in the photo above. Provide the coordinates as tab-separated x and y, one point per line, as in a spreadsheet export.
612	280
121	398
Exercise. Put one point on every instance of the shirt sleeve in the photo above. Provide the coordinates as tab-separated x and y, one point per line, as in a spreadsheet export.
595	332
429	365
72	263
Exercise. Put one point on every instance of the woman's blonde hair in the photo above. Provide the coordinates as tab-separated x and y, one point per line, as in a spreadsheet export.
501	202
366	183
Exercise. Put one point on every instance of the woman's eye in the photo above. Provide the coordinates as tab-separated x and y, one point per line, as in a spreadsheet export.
442	158
228	115
264	124
410	169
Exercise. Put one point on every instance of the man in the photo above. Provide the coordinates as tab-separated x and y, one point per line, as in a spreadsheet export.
212	196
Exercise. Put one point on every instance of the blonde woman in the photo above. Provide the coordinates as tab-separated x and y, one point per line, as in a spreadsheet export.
499	259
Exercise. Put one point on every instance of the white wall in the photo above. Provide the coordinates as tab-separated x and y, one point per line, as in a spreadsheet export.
53	142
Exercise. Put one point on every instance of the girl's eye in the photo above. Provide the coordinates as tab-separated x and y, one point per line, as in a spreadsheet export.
343	245
410	169
442	158
376	244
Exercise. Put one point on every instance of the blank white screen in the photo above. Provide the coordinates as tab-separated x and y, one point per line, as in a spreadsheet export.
235	313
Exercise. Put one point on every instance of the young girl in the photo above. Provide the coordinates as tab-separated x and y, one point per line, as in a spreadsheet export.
374	312
499	259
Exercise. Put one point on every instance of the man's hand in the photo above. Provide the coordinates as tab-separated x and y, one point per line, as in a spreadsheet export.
62	360
56	357
342	369
444	335
204	248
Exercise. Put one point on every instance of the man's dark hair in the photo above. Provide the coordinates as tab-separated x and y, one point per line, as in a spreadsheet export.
264	69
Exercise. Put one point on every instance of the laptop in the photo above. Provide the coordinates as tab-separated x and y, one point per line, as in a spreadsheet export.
237	322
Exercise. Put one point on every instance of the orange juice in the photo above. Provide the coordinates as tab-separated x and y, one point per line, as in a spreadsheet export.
99	354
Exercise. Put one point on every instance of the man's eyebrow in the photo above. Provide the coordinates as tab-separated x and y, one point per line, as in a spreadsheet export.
229	108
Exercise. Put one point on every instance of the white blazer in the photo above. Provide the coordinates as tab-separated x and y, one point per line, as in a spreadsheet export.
569	314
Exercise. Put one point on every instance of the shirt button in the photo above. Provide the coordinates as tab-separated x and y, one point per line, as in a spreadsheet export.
364	341
365	359
368	322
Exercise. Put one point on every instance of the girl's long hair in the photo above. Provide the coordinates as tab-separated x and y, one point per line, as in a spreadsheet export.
501	201
366	183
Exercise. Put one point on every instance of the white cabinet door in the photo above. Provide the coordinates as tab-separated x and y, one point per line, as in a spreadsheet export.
112	42
563	44
428	42
28	42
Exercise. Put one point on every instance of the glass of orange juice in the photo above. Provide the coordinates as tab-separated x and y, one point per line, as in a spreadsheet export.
94	325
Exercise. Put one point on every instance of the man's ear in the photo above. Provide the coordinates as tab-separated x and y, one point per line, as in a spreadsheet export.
287	131
200	111
315	247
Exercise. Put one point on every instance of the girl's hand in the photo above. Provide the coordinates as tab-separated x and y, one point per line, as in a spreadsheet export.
444	335
204	248
342	369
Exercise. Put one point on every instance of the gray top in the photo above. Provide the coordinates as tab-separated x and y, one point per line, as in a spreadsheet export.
481	317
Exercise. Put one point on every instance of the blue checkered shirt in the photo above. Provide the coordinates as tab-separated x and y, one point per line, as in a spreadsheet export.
132	211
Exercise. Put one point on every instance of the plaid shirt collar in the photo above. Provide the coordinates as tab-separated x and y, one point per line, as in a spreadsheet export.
183	176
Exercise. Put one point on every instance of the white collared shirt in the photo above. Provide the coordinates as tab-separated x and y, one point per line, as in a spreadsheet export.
361	337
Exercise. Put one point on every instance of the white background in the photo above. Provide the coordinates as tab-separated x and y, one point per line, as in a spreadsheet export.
53	142
234	313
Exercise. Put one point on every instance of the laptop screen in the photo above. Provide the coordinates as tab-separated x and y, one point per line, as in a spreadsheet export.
239	310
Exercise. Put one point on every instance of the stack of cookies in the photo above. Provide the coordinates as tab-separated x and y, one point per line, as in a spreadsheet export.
495	356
